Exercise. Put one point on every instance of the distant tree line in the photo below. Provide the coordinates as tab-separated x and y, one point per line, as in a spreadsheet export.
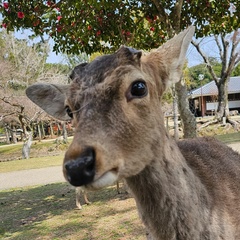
201	69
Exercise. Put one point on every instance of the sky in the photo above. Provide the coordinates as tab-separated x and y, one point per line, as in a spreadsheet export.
53	57
208	46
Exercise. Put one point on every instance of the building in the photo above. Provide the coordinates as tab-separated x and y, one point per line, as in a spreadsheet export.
203	100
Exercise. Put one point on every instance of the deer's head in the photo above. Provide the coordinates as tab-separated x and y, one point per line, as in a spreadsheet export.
114	103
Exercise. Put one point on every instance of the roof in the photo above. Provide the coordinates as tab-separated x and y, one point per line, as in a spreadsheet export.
210	88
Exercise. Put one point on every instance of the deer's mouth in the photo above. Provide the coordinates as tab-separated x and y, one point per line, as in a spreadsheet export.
106	179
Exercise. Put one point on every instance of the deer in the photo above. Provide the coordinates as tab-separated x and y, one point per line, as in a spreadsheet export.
184	190
79	191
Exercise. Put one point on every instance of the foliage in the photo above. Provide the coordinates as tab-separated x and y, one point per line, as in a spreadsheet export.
72	60
236	71
91	26
199	69
27	61
57	67
21	64
95	55
1	130
186	76
102	26
167	97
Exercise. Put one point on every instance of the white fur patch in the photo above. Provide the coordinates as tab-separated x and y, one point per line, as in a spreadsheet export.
107	179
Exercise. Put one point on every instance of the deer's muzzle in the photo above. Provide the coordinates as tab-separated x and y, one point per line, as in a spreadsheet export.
81	171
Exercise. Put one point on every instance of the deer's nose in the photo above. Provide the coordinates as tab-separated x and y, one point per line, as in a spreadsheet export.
81	171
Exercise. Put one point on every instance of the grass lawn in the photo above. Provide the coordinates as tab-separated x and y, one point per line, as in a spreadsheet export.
38	149
48	212
229	138
48	161
43	154
31	163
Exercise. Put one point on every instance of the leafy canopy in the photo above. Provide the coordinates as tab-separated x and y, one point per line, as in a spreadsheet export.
100	26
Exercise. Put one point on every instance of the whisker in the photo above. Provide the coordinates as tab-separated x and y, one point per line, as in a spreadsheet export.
80	109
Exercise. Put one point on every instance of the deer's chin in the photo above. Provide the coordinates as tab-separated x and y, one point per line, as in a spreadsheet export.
105	180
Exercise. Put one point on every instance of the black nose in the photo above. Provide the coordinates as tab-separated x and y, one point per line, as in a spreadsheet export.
81	171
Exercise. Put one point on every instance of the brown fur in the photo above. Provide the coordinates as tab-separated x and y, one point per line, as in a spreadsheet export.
184	191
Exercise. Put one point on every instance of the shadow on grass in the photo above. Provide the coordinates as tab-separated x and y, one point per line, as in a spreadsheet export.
49	212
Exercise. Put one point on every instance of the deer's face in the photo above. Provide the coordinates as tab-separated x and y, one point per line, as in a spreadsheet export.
117	115
114	103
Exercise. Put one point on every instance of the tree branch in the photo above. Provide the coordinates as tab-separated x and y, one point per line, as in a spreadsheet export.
12	104
36	115
225	54
6	115
176	13
205	58
219	47
233	58
232	63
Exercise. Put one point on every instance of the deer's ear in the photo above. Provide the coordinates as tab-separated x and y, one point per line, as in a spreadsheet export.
171	56
51	98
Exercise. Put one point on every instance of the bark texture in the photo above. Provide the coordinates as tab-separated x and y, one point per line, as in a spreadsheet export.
188	119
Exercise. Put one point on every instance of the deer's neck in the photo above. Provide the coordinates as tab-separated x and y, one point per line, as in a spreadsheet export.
167	195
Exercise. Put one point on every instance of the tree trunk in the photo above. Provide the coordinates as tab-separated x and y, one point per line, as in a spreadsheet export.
7	135
43	130
175	113
187	118
39	131
14	135
51	129
223	108
64	131
27	146
58	129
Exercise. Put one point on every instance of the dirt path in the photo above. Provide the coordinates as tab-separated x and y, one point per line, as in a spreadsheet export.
47	175
235	146
31	177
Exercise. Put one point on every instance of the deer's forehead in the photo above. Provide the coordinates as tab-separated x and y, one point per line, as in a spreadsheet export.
95	72
112	86
105	77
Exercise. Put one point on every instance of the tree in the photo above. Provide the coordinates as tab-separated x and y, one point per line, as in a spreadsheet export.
91	26
72	60
102	26
22	64
199	69
26	62
236	71
228	46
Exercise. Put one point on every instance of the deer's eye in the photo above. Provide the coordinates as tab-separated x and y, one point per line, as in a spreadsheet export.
69	111
139	89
